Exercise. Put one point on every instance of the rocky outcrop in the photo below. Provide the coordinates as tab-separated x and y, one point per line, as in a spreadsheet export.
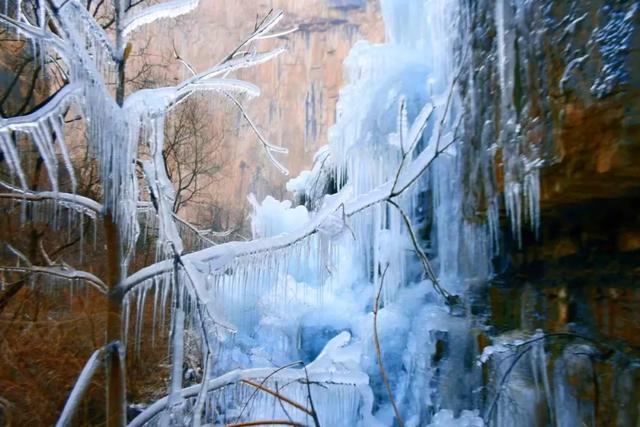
552	89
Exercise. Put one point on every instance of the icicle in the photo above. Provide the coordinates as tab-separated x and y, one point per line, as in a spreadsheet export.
177	359
202	396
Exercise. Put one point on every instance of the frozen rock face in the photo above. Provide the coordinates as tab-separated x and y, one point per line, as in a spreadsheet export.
551	89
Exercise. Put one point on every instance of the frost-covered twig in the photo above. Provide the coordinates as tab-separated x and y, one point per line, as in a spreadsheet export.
268	147
376	340
262	31
413	136
64	272
169	9
182	61
200	233
78	203
80	388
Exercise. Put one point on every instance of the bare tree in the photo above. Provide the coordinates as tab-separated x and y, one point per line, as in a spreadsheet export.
194	152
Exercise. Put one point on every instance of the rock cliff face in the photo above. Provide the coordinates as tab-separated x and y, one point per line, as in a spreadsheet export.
552	89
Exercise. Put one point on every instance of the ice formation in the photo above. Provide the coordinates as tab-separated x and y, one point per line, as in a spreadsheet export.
386	199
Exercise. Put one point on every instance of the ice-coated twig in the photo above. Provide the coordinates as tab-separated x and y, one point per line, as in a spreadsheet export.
80	388
182	61
74	201
413	135
44	253
200	233
169	9
245	61
268	147
64	272
155	102
49	108
19	254
261	31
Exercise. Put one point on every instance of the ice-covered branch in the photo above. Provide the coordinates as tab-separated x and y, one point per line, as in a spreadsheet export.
169	9
158	101
202	234
268	147
34	32
53	106
69	200
95	31
44	126
80	387
64	272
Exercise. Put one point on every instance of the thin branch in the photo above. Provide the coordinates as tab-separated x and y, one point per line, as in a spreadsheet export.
268	147
376	340
450	298
504	379
62	272
80	388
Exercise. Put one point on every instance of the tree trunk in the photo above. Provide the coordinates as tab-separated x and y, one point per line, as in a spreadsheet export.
116	374
116	386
